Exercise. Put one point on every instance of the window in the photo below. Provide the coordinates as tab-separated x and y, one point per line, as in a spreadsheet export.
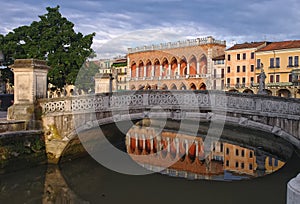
258	63
271	78
277	78
228	81
244	68
236	152
290	78
227	151
257	78
252	68
242	165
244	81
236	164
275	162
244	56
222	73
228	57
271	62
238	80
251	154
221	147
243	153
277	62
227	162
290	62
238	56
250	166
251	80
238	69
296	61
270	161
252	55
228	69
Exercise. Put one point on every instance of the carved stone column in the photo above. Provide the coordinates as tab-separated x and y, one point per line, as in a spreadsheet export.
30	78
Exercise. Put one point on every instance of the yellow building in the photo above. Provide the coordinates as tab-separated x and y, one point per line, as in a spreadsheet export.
240	66
280	62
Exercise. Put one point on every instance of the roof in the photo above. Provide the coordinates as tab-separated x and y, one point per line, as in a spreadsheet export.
221	57
281	45
246	45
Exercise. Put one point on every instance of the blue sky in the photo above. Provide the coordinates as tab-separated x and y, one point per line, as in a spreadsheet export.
120	24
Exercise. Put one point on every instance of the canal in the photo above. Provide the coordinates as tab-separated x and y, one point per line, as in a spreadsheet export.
242	166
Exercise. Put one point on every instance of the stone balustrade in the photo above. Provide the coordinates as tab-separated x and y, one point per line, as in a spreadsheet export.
172	45
230	102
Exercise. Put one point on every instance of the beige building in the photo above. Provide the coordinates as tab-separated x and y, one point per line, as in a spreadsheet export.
280	62
240	66
218	73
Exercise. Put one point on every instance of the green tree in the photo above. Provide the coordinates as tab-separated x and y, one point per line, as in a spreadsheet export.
52	38
86	77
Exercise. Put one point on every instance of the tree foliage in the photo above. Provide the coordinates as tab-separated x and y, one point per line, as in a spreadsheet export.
86	77
52	38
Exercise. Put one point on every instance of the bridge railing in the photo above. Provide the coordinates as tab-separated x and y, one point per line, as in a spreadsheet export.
198	100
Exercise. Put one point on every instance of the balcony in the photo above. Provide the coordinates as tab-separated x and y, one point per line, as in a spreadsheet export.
279	84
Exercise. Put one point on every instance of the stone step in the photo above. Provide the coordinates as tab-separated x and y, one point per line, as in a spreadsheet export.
12	125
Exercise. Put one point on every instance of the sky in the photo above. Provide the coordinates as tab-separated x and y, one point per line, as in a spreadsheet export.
120	24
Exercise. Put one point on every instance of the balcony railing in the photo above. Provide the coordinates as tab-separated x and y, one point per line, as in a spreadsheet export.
194	76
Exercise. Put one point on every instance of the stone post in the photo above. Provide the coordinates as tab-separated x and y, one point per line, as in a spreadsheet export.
30	83
103	83
293	191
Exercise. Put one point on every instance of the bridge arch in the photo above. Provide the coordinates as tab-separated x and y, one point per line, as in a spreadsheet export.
284	93
248	91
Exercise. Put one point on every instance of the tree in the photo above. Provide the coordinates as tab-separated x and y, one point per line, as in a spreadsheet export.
53	39
86	77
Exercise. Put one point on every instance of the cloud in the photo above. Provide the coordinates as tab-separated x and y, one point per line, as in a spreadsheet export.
151	21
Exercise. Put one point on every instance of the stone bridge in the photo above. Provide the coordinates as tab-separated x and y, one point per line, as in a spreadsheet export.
63	118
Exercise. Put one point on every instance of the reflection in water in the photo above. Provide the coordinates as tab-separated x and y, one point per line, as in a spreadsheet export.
86	181
189	158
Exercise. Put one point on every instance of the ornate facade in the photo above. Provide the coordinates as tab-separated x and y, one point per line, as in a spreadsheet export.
176	66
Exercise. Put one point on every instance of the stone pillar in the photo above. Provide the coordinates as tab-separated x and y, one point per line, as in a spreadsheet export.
137	74
169	70
178	69
153	70
145	71
103	83
30	78
293	191
160	70
198	68
188	69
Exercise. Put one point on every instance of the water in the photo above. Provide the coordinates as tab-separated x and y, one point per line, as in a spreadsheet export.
85	181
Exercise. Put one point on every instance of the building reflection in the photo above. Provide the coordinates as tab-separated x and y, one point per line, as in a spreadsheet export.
186	156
